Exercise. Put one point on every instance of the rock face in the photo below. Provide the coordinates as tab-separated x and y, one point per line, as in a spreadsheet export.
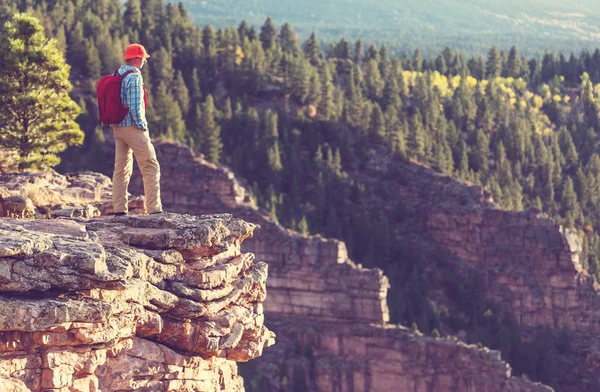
386	358
330	315
523	260
531	264
135	303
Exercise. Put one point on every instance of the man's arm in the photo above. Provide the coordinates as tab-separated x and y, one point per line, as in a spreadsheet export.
134	100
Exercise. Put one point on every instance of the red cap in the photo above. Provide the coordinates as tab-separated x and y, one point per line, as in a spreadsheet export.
134	51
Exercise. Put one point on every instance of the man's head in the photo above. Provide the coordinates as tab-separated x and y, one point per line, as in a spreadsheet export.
135	55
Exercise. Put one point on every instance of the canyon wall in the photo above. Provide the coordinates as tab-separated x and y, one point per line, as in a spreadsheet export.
330	314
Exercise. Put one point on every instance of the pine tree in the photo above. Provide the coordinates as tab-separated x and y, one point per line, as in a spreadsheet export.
342	49
493	67
513	65
271	142
268	33
377	130
314	88
132	18
463	167
358	51
581	187
288	39
181	93
166	117
300	78
440	65
312	50
568	200
38	116
391	92
93	65
417	137
480	153
326	105
243	30
418	61
373	81
209	58
210	133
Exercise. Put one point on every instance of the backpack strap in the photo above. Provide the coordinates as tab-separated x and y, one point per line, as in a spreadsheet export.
125	74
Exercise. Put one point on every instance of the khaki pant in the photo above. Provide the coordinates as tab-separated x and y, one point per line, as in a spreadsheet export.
130	140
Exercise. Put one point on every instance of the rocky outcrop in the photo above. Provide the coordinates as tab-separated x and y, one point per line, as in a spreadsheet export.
321	300
145	303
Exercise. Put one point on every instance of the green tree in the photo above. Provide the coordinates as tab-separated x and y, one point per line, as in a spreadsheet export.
271	142
493	67
373	81
312	50
416	137
167	117
417	63
38	116
181	93
358	51
326	104
268	33
377	130
513	64
480	153
210	132
568	200
288	39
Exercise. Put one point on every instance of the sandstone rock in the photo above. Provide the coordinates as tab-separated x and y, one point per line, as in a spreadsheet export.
135	206
87	211
111	293
18	206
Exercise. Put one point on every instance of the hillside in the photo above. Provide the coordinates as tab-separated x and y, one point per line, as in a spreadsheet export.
471	26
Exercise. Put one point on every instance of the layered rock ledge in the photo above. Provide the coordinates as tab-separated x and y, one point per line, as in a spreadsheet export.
135	303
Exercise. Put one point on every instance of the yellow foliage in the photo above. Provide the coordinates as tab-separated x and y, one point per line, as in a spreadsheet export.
557	98
239	55
538	102
471	81
410	77
455	82
441	82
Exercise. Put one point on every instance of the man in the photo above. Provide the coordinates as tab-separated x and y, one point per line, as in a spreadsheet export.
132	136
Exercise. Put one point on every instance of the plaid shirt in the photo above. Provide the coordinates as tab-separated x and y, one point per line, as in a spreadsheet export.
132	96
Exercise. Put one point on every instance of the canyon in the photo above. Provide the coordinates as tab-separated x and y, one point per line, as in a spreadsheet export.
330	314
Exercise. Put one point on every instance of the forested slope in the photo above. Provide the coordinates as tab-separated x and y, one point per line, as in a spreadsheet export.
467	25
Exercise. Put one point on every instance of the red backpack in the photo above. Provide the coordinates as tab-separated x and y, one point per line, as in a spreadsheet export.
110	108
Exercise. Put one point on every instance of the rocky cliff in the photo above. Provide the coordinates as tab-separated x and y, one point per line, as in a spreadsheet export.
138	303
330	315
523	261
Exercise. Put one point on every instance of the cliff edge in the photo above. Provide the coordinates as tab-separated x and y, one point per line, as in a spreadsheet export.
148	303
